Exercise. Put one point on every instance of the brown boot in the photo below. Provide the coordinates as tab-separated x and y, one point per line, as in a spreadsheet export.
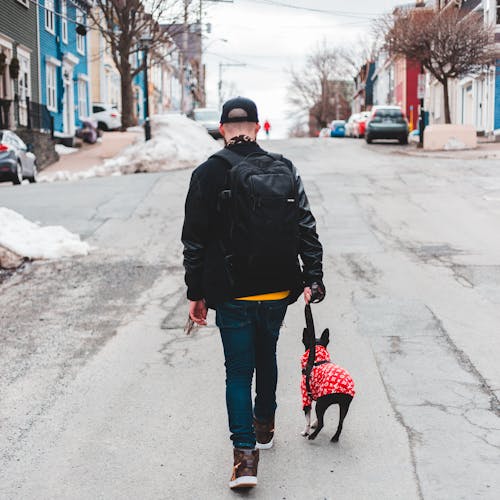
245	468
264	434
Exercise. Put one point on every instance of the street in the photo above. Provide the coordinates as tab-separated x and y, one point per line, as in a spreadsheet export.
103	396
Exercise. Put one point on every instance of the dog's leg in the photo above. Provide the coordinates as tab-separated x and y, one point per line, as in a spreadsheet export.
344	401
321	406
314	424
307	414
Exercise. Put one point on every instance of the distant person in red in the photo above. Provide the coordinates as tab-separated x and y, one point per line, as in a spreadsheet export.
267	128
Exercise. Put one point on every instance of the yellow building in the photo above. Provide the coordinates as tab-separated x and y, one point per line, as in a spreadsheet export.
105	82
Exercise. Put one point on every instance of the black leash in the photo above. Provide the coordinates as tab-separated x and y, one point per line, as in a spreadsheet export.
312	349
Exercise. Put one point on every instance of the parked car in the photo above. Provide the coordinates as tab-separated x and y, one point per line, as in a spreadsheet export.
106	116
363	118
351	126
17	162
209	118
387	122
337	128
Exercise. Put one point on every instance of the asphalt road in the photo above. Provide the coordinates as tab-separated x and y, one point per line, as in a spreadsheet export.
102	396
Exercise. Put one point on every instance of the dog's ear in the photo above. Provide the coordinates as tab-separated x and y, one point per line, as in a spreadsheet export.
306	339
325	337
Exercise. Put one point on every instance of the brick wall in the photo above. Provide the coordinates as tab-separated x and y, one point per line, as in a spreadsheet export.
43	146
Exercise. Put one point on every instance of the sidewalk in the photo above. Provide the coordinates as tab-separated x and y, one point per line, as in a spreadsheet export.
484	150
94	155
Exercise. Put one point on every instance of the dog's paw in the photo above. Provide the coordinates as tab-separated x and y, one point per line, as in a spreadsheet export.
304	433
312	436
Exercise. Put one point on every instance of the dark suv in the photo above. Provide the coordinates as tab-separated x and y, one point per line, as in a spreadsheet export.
387	122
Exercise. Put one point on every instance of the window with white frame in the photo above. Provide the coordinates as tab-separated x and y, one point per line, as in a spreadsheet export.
51	87
82	98
64	21
26	3
80	39
49	15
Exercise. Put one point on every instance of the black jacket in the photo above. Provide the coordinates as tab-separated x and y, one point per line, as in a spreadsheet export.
206	273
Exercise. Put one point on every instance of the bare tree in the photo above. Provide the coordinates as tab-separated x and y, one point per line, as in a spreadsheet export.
449	43
123	23
316	88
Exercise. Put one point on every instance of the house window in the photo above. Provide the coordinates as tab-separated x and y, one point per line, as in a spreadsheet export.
82	99
498	11
51	81
26	3
49	15
80	39
64	21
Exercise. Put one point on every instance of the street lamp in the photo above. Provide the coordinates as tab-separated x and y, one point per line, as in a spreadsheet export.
145	43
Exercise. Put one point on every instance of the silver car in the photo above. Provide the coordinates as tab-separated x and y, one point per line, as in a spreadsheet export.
209	118
17	162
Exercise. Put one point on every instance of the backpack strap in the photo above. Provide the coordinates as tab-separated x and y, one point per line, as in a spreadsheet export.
233	158
230	156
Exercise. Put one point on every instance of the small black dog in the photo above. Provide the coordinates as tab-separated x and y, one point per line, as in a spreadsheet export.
322	381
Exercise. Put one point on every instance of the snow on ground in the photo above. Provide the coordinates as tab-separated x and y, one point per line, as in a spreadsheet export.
28	239
62	150
176	142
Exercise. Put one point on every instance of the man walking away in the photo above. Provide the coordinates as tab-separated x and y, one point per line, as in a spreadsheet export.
247	220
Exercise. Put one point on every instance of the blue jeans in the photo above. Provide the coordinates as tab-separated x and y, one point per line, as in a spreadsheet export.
249	332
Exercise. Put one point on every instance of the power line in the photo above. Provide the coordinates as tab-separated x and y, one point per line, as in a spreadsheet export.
340	13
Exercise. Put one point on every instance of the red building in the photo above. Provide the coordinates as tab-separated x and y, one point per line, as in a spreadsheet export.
405	88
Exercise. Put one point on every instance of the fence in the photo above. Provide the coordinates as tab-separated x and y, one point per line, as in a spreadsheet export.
25	113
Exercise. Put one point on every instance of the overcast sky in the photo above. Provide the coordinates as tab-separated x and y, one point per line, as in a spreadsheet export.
268	37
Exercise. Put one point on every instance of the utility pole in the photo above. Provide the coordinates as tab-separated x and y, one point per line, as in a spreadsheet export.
225	65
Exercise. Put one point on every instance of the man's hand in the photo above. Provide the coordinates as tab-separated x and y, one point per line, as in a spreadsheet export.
198	312
315	293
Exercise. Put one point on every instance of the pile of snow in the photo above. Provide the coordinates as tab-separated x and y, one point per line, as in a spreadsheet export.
30	240
66	175
62	150
177	142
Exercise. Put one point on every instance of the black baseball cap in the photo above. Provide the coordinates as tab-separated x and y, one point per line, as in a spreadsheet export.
239	109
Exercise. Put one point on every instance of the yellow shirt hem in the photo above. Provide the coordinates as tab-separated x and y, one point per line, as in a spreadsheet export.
267	296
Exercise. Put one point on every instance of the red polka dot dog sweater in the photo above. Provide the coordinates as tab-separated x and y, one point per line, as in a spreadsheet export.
327	378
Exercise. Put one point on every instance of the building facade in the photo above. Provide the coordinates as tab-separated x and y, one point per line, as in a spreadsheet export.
363	83
64	68
405	88
105	87
19	67
383	80
474	98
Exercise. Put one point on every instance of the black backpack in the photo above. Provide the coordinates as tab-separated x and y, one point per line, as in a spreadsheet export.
261	206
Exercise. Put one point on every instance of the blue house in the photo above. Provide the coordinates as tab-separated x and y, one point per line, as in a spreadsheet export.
64	68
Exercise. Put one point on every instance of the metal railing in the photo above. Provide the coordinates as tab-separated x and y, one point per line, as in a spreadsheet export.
27	114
